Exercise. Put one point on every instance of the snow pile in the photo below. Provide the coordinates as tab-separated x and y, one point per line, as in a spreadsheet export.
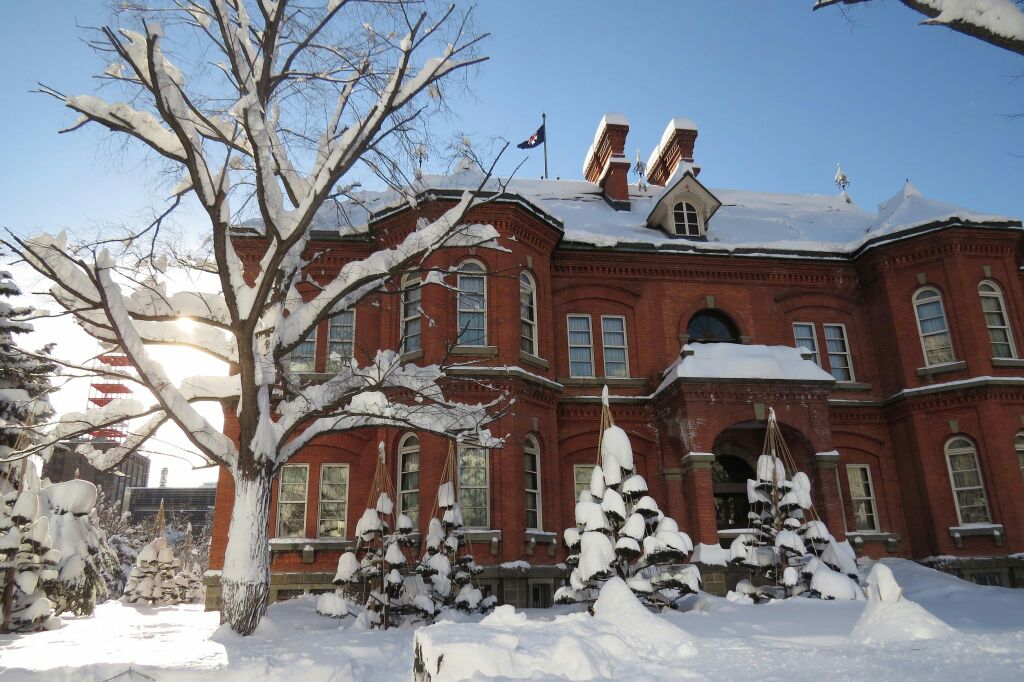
623	640
889	617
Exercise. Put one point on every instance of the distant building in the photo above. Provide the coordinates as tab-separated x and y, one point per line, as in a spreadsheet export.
133	472
196	503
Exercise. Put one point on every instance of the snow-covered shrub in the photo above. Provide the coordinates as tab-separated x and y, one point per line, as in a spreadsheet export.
152	580
620	531
446	567
86	561
789	550
890	617
27	559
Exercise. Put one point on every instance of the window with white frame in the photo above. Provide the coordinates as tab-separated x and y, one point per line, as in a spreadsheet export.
838	347
302	358
474	488
528	313
613	338
531	451
333	510
862	497
581	474
1018	445
994	307
409	477
412	314
341	338
581	346
687	223
472	302
804	337
931	324
965	477
291	501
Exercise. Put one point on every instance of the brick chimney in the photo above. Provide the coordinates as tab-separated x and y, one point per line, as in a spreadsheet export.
606	163
676	147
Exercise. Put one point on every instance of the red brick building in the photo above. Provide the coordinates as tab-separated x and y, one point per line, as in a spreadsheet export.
905	402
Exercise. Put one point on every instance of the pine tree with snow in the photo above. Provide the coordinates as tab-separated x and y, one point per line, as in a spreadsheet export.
27	559
24	383
790	550
447	567
125	537
379	563
152	579
86	560
188	584
620	531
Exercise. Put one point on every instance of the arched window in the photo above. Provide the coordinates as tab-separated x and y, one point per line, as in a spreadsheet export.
729	474
684	216
1018	445
965	477
710	326
994	307
412	312
409	477
528	313
472	303
531	451
931	324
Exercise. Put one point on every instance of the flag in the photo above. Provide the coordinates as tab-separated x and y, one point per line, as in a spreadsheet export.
534	140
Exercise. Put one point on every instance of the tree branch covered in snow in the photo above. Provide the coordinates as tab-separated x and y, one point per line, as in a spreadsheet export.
299	98
998	22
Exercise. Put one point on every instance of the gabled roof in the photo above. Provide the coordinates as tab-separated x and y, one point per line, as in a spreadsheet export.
683	177
752	223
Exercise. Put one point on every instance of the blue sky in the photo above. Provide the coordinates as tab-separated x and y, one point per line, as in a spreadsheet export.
780	94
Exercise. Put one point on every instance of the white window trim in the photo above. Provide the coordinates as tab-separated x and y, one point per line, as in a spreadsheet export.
675	224
330	323
532	441
1018	449
403	449
998	295
625	345
534	351
305	503
458	306
568	340
952	481
486	486
410	282
871	497
848	353
575	467
920	332
814	338
320	497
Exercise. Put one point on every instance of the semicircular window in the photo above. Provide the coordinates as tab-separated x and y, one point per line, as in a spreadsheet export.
709	326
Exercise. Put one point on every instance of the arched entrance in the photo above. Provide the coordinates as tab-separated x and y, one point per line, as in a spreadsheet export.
736	451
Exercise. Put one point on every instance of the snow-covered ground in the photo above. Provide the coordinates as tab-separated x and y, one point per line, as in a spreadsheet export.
712	639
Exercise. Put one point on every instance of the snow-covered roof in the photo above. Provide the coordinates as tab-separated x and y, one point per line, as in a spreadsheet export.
747	222
742	361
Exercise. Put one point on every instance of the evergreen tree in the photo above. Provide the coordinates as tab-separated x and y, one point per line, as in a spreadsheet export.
790	551
27	559
621	532
447	566
24	383
124	537
87	562
152	579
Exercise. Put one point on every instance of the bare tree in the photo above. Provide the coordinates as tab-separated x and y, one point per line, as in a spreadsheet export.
998	22
297	97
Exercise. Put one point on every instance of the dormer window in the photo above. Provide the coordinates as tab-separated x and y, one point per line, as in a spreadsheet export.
686	221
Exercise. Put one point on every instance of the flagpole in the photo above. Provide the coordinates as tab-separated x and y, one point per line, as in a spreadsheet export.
544	125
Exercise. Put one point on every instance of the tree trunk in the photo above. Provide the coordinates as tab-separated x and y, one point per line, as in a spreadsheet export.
245	580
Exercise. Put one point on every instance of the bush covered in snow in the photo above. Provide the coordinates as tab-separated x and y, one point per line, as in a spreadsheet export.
27	559
87	562
620	531
790	550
